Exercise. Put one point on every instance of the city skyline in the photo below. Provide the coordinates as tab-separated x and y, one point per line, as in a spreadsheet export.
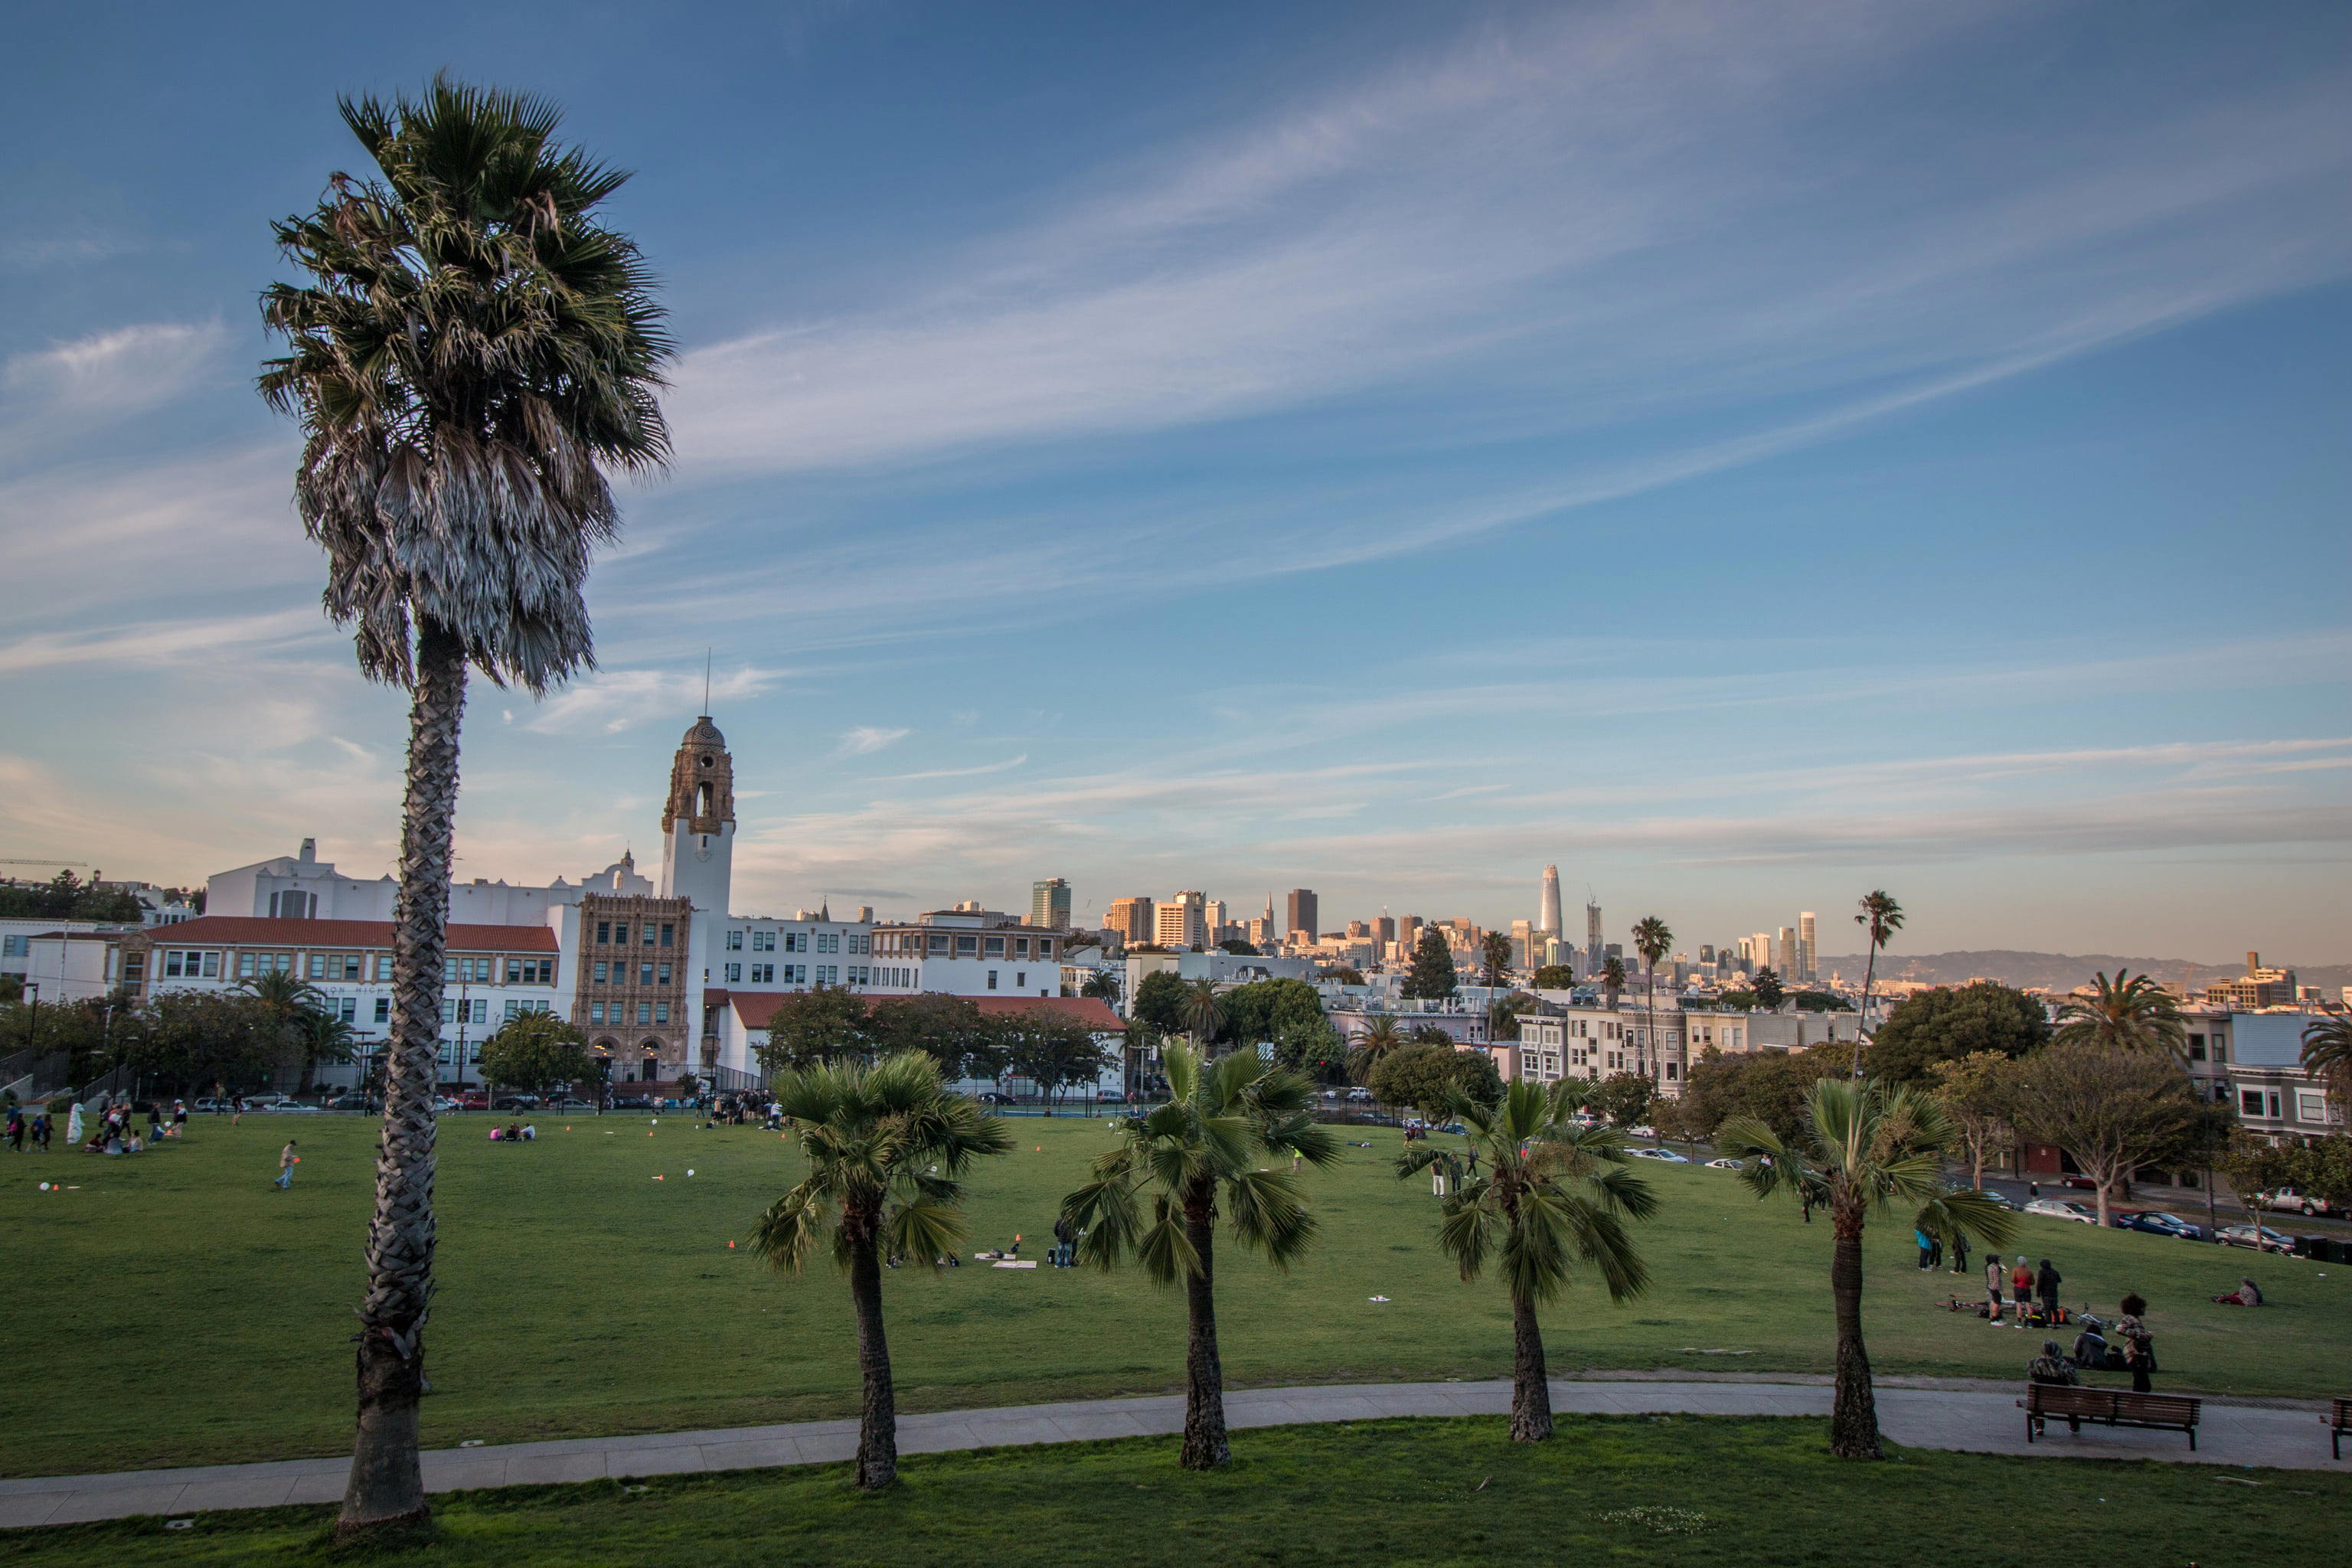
2018	330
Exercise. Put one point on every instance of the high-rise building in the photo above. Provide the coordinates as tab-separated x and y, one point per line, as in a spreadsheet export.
1212	921
1049	904
1592	953
1180	922
1808	957
1788	949
1133	918
1303	913
1547	903
1384	928
1524	952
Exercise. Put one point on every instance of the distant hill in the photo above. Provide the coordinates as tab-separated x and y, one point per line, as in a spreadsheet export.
2060	971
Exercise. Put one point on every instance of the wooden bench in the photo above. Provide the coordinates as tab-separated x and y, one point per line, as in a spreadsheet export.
2338	1421
2109	1407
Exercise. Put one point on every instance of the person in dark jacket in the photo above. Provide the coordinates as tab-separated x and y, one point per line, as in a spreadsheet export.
1960	1252
2052	1366
2139	1346
2045	1285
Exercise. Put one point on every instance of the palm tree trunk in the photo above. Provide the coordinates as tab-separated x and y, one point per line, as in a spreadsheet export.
1205	1447
1854	1419
1531	1381
878	1416
387	1483
1862	1022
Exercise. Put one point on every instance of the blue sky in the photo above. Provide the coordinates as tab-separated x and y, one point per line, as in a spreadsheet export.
1744	453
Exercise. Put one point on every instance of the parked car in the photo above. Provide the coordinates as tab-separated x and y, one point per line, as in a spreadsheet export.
1727	1165
638	1103
2157	1224
1359	1096
515	1102
353	1102
2260	1237
210	1104
2082	1182
445	1103
571	1102
1668	1155
474	1100
1642	1131
2302	1202
2061	1208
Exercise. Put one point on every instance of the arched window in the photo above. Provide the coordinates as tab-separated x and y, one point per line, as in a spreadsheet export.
702	798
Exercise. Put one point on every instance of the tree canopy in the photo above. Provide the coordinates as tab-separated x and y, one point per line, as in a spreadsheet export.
1427	1076
1431	977
1160	1002
1554	977
1768	1087
1951	1022
66	897
536	1051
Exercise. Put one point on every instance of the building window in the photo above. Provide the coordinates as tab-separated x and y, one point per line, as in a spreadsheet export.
384	1009
383	966
664	973
1020	947
645	974
2221	1051
1046	947
734	973
596	1012
967	947
2310	1107
2250	1102
604	972
649	935
734	941
828	975
661	1012
796	973
1020	980
2196	1047
994	947
991	980
669	935
604	932
645	1009
761	974
796	941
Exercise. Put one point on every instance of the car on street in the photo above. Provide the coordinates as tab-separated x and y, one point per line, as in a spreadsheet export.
516	1102
288	1108
442	1103
2156	1224
1642	1131
2082	1182
1727	1164
639	1102
2259	1237
2061	1208
1359	1096
1668	1155
569	1102
352	1102
2305	1204
474	1100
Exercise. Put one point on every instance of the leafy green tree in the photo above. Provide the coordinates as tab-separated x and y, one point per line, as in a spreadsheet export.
1156	1196
1427	1077
1503	1015
533	1052
1314	1050
1820	1001
2257	1168
2129	1013
1623	1098
1978	1091
1768	1087
1344	974
949	1029
470	354
1239	948
1880	918
1432	975
1268	1009
1860	1147
1053	1052
1160	1002
1951	1022
1494	957
828	1024
66	897
1554	977
887	1147
1766	992
2113	1109
1553	1194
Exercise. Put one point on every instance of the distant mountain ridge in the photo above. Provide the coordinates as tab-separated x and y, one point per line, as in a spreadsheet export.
2060	971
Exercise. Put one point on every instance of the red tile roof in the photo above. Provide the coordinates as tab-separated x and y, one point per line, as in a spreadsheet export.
247	930
755	1008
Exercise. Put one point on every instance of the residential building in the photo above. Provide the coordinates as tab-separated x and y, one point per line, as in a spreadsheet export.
1049	904
1182	922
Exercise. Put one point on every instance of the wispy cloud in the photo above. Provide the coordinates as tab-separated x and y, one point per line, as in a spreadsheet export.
1006	767
114	372
867	739
612	700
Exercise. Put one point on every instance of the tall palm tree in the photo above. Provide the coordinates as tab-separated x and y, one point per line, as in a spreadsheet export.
1859	1147
2328	1053
886	1146
294	1007
1203	1011
1494	957
1612	981
1155	1198
1652	939
1373	1042
1880	918
471	353
1554	1194
2129	1013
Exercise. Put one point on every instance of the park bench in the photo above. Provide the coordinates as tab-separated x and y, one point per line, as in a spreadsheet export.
2108	1408
2338	1421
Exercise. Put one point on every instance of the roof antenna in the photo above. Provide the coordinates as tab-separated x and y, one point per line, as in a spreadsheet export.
706	683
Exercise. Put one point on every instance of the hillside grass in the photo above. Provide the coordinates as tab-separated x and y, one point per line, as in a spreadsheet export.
175	1309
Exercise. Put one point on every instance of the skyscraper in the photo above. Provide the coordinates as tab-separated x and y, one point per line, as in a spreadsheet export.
1593	956
1303	913
1808	958
1133	918
1049	904
1787	948
1180	922
1548	905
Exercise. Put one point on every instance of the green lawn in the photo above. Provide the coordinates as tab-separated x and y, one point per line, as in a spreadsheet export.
175	1309
1660	1491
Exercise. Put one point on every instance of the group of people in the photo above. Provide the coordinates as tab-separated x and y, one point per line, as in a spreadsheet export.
2027	1287
741	1110
514	1132
115	1130
22	1128
2094	1352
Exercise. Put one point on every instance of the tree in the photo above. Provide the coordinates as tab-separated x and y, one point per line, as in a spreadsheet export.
1554	977
1653	940
292	1007
1979	1092
1051	1051
1880	918
533	1052
1427	1077
1314	1050
1612	980
1553	1193
1765	990
1239	948
1432	975
1503	1015
1766	1086
1820	1001
1160	1002
1102	985
1373	1042
1269	1008
2257	1168
470	354
2129	1013
66	897
1623	1099
887	1147
1156	1196
1860	1147
1494	957
949	1029
2327	1053
808	1028
1949	1022
2113	1109
1344	974
1204	1011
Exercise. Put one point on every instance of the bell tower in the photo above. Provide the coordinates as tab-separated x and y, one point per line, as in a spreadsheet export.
698	843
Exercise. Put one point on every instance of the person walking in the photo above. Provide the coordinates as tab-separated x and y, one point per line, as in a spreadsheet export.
1960	1252
2045	1285
2139	1346
1995	1274
15	1129
41	1132
286	1160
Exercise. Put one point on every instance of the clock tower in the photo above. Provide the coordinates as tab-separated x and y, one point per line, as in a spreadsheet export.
699	845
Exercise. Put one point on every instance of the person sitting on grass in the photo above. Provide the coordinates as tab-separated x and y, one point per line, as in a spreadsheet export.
495	1134
2091	1348
2052	1366
2247	1294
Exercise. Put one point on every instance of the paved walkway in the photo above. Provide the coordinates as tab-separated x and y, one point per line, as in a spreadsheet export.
1977	1421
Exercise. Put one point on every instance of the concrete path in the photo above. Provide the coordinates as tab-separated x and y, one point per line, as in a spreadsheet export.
1977	1421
